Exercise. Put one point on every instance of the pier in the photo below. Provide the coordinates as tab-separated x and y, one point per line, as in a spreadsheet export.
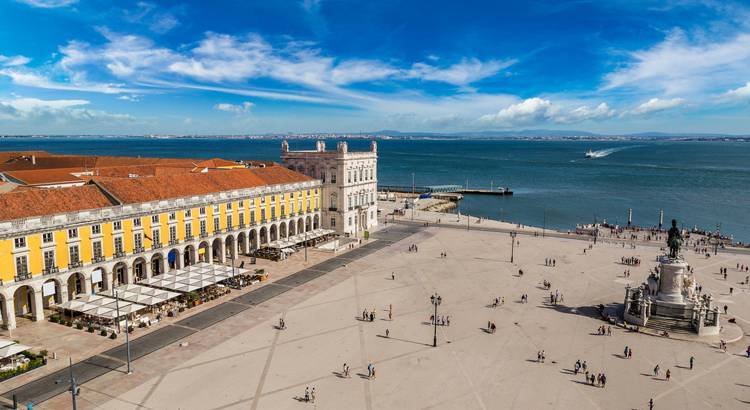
431	189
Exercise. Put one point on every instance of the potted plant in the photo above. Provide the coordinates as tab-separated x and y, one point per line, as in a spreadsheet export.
113	335
103	332
79	326
91	328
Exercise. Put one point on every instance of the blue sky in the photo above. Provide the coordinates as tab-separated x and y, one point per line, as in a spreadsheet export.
241	67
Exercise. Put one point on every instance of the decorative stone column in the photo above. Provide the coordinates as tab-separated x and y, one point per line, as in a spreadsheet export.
210	253
672	273
63	293
222	251
9	313
38	305
129	275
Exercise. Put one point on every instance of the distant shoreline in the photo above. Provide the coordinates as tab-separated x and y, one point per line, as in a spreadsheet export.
631	138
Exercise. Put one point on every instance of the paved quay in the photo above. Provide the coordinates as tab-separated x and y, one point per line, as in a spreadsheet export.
244	361
46	387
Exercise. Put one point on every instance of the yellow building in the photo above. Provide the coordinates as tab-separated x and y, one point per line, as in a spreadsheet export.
57	243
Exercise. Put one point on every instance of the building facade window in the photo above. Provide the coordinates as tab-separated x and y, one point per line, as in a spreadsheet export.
262	215
172	234
96	229
202	210
188	229
154	219
72	233
242	219
22	265
47	237
97	249
333	176
138	240
173	216
217	227
283	211
229	206
203	227
252	218
19	243
75	255
156	236
117	225
333	222
229	222
188	213
118	246
49	259
136	222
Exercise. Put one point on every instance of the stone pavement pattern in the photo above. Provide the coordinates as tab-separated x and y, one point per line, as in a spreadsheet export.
244	362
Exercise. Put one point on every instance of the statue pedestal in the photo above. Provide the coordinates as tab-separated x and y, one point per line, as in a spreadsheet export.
671	278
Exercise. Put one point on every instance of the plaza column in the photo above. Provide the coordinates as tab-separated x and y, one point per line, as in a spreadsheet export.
246	241
210	253
63	293
147	272
38	305
195	255
222	251
86	285
9	313
129	274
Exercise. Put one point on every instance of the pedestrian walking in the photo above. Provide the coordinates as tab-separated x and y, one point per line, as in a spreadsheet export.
387	333
312	395
656	371
668	374
692	360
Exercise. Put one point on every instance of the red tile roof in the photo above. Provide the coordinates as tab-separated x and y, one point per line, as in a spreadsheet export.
26	203
135	190
216	163
45	176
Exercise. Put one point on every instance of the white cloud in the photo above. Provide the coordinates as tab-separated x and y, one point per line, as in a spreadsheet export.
237	109
463	73
739	93
48	4
30	79
531	110
13	61
656	104
34	110
539	110
130	97
680	65
355	71
147	14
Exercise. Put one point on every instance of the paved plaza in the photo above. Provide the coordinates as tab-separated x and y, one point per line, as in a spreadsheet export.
245	362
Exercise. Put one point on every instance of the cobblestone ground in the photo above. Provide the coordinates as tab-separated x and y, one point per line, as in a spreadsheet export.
245	362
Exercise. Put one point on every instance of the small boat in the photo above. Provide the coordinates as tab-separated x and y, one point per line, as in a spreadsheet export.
590	154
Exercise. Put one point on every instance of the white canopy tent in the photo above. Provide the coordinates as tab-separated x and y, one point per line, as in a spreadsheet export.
143	295
300	238
104	307
12	350
193	277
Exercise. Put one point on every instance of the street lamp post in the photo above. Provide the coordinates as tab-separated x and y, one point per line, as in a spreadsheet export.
718	238
512	245
127	328
436	301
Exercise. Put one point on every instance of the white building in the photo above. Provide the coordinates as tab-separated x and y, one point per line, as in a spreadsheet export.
349	182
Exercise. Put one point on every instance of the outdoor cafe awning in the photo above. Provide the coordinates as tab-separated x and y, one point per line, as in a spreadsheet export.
193	277
299	238
12	349
101	306
143	295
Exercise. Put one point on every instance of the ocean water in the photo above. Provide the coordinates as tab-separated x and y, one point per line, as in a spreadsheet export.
698	183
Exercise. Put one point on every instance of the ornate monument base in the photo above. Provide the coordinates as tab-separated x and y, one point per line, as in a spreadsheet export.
669	298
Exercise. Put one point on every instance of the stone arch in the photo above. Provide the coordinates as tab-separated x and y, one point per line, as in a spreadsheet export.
24	303
216	250
204	252
282	230
229	247
55	298
242	243
174	258
273	233
101	275
140	269
300	226
292	226
253	239
316	221
263	235
188	255
119	274
76	285
157	264
308	223
9	318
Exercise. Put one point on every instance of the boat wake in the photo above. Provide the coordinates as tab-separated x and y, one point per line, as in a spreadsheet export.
604	152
